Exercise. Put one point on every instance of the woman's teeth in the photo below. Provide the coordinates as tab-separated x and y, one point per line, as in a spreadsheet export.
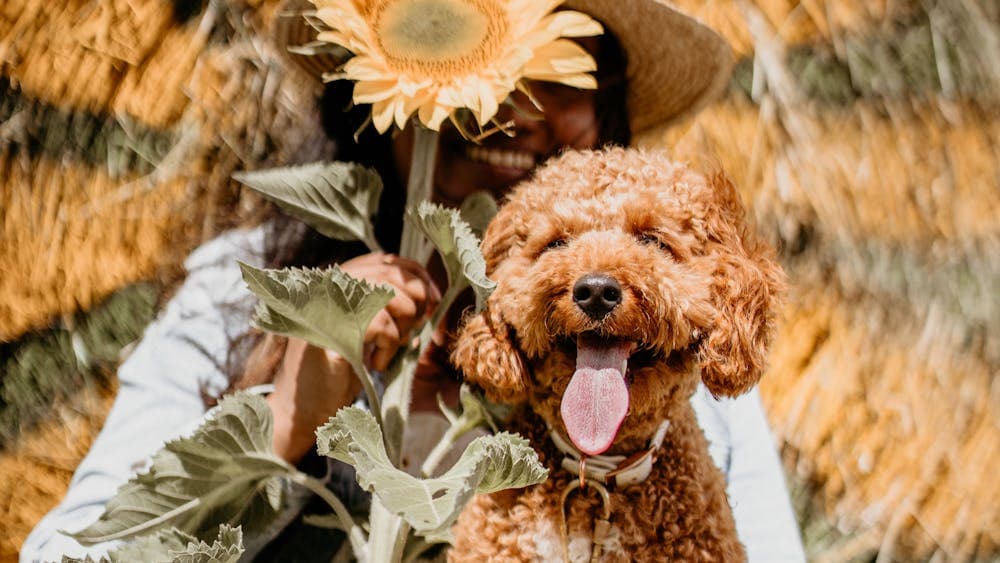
505	158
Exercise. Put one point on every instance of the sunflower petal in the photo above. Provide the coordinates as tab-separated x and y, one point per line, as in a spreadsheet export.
399	113
581	81
334	16
488	103
382	115
343	18
569	23
335	37
562	55
467	97
525	17
412	88
433	114
451	96
366	68
371	91
514	60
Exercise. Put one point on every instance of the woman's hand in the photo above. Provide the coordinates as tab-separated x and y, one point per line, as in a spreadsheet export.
311	384
435	377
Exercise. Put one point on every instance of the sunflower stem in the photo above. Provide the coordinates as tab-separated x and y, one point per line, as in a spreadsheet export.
354	532
418	187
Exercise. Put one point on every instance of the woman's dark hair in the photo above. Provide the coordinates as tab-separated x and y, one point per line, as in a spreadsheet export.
612	91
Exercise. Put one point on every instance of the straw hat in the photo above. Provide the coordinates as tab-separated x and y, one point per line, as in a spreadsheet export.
676	64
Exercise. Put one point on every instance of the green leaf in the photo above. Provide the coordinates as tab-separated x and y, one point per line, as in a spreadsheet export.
227	548
458	247
225	472
478	209
327	307
397	395
152	547
474	412
337	199
174	546
430	506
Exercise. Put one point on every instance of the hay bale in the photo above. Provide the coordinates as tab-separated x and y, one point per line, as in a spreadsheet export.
132	169
870	161
800	22
34	477
50	367
76	53
69	249
889	418
120	128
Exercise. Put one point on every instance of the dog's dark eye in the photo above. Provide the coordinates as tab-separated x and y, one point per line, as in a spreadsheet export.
648	238
555	243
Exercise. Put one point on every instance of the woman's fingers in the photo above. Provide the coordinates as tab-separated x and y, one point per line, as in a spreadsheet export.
411	280
403	311
384	337
418	283
415	297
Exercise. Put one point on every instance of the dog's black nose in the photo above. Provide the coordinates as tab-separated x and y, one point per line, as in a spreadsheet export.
597	295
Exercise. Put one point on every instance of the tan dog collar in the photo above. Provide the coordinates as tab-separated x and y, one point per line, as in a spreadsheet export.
612	470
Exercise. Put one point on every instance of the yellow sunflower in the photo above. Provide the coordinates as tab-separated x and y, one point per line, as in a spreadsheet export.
432	57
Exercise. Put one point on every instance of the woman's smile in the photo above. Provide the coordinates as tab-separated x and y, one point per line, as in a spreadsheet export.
501	158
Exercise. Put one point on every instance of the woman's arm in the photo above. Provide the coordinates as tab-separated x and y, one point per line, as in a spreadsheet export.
159	396
741	444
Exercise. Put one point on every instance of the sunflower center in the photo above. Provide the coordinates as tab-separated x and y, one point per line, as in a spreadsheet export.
440	38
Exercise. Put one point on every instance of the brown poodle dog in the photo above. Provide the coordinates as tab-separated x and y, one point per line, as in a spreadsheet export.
623	279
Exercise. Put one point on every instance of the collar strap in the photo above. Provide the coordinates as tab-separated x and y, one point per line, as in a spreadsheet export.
612	470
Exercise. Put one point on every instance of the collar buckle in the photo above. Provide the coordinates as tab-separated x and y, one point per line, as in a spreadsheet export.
611	470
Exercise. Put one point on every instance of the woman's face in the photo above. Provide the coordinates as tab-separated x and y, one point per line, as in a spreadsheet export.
568	119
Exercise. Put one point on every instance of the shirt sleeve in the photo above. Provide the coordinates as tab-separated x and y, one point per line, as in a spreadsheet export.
159	395
741	444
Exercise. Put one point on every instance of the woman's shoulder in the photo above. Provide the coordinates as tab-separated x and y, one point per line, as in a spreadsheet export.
715	420
244	244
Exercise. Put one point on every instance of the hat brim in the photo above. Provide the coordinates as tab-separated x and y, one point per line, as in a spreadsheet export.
676	64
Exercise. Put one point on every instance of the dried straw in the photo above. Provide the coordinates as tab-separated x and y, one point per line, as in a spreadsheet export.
890	419
876	176
799	22
34	478
139	203
46	368
121	127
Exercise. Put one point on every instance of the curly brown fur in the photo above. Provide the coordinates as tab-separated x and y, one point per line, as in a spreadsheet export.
698	294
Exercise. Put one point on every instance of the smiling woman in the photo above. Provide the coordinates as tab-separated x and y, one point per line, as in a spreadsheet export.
569	119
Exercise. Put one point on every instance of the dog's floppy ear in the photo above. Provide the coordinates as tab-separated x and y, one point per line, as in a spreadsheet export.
485	354
499	238
485	351
747	285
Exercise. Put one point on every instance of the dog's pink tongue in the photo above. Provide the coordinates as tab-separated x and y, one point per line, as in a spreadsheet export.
596	401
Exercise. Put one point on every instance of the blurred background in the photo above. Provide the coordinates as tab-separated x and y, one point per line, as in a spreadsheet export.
864	134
